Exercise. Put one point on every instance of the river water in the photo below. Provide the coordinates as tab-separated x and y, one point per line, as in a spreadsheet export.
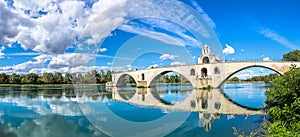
166	110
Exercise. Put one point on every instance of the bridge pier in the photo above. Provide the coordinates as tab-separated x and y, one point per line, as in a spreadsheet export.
203	83
141	84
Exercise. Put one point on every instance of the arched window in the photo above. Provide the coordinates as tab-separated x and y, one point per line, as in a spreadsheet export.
217	70
205	60
203	72
217	105
192	72
143	76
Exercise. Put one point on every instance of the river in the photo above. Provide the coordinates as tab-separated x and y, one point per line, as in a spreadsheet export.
166	110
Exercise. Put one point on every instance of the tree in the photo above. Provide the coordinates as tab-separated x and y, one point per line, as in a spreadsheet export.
89	78
68	78
108	76
283	104
236	79
31	78
58	78
4	78
14	78
48	78
292	56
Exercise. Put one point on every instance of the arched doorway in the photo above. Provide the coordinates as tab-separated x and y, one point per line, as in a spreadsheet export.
205	60
203	72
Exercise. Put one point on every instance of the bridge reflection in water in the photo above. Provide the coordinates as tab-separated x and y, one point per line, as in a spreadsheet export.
210	104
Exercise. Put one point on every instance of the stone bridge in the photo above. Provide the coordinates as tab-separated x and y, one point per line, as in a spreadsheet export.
199	75
210	71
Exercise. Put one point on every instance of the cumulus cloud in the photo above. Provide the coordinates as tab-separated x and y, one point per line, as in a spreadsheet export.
64	63
167	56
277	38
267	59
52	26
11	23
228	50
69	60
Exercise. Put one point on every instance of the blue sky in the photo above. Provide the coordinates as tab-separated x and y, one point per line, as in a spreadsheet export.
79	36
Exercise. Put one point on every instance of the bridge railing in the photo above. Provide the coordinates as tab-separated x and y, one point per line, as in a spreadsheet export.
252	60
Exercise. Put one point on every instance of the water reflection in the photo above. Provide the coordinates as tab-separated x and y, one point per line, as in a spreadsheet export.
97	111
210	104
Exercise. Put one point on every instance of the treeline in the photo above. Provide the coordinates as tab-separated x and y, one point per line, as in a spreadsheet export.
266	78
57	78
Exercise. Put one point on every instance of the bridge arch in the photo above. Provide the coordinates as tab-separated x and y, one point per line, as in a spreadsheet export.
154	78
124	79
246	67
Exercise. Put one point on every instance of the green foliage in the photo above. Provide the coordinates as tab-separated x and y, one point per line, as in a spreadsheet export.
14	78
48	78
56	78
238	133
31	78
234	79
3	78
292	56
283	103
266	78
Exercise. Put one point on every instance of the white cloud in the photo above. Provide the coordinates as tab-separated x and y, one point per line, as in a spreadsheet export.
63	21
245	74
176	63
69	60
106	16
64	63
228	50
267	59
152	34
277	38
27	66
102	49
242	50
171	27
205	16
167	56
